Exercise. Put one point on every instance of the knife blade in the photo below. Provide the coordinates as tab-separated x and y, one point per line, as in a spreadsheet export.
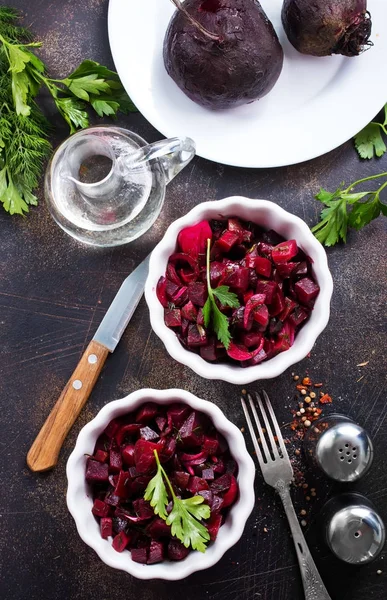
44	452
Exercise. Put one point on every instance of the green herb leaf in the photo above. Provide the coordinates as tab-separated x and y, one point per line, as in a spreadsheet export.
185	515
73	113
364	213
184	523
369	141
211	311
88	84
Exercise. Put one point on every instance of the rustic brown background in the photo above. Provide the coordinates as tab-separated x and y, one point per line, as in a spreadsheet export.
53	294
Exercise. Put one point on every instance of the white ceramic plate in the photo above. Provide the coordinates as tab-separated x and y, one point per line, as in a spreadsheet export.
316	105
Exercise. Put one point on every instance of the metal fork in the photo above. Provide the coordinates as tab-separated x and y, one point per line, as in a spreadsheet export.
278	472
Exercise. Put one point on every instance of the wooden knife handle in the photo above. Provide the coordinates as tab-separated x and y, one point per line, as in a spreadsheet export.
44	452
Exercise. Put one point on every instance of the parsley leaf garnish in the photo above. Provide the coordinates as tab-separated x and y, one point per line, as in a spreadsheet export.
345	209
185	515
23	128
369	141
211	312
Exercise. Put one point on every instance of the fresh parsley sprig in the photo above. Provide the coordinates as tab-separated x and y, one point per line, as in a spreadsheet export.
185	515
24	130
211	312
346	209
369	141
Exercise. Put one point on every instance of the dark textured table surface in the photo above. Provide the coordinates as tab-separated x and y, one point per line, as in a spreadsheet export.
53	294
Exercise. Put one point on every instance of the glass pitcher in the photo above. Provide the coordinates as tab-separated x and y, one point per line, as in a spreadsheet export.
105	186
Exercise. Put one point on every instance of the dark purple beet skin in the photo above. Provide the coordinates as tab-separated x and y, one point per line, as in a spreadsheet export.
272	278
325	27
197	461
241	66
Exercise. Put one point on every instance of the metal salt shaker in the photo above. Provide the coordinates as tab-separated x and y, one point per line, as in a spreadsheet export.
352	528
339	447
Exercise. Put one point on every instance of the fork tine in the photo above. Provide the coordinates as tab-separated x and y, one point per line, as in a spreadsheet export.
276	426
252	432
274	446
260	432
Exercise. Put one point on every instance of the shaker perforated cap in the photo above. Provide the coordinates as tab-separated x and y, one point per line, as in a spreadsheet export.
354	532
344	451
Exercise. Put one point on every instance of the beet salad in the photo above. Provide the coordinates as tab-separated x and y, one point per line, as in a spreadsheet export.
234	292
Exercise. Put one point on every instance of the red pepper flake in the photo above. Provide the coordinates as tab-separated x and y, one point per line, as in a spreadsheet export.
318	385
301	387
307	381
326	399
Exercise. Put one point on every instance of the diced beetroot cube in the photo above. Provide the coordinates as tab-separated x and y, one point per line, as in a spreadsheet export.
284	251
213	526
197	293
156	553
227	240
176	550
139	555
172	317
96	472
217	503
127	454
111	429
191	432
222	484
217	272
161	291
208	474
112	499
290	305
287	333
247	295
122	488
207	495
196	484
146	413
254	338
196	336
106	526
278	304
219	466
253	279
200	318
268	288
126	432
101	456
210	445
250	260
158	529
285	270
146	433
261	315
236	226
172	275
193	459
265	249
257	358
100	508
181	479
208	352
177	414
161	422
143	509
306	290
238	280
115	460
189	312
252	304
298	316
181	296
171	289
275	325
262	266
301	269
231	494
144	457
193	240
168	450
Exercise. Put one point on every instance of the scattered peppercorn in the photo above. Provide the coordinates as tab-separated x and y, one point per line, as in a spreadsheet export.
303	392
303	512
296	377
303	523
312	394
308	399
307	423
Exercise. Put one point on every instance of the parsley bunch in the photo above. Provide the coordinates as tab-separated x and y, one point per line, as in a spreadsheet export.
24	130
345	209
211	312
185	515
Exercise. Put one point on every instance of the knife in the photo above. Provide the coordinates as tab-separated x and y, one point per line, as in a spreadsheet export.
44	452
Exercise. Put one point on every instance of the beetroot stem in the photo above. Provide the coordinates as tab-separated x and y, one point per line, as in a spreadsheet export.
194	22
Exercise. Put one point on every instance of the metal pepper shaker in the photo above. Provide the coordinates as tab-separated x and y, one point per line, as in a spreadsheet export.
342	449
353	529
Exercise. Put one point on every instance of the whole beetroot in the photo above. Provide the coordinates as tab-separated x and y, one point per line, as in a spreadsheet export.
222	53
325	27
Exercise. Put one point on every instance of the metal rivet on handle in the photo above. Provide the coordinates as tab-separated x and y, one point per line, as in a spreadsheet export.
77	384
92	359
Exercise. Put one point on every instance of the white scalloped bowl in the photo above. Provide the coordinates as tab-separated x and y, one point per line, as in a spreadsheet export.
268	215
79	499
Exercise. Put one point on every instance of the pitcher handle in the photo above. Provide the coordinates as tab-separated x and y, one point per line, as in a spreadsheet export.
173	155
